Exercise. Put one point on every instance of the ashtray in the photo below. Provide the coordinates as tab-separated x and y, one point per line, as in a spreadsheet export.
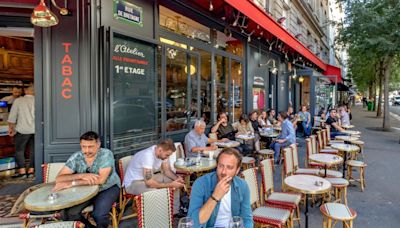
318	183
335	158
52	196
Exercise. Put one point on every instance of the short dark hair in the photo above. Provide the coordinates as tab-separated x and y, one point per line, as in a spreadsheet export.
283	114
221	113
89	136
332	109
244	118
252	112
231	151
167	144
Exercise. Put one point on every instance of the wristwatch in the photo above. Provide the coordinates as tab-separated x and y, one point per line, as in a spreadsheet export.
73	183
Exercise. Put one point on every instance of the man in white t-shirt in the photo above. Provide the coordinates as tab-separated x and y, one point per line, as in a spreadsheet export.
143	173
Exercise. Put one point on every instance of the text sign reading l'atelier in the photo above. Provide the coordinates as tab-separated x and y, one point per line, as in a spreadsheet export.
66	72
131	59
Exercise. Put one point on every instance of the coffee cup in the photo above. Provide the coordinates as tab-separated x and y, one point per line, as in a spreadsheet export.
180	161
210	155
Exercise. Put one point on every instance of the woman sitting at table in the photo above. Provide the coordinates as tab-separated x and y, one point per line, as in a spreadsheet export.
243	126
263	120
225	130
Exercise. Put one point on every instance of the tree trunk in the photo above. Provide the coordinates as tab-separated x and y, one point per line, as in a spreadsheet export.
380	79
386	112
373	99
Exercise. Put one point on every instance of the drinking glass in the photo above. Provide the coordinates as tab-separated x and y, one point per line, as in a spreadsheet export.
236	222
186	222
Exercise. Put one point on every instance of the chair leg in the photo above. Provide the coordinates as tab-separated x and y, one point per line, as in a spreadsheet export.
114	217
362	178
345	195
329	223
323	222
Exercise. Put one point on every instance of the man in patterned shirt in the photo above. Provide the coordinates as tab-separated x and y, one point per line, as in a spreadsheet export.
91	165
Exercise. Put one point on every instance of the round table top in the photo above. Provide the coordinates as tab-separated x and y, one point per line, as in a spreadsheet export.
345	147
348	126
278	128
189	166
307	184
38	200
269	135
351	132
228	144
348	138
245	137
328	159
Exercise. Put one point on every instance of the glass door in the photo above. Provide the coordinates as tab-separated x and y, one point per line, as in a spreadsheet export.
180	81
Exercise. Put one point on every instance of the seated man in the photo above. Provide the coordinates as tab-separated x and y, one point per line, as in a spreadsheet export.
305	118
196	141
344	116
219	195
225	130
332	122
140	175
285	138
91	166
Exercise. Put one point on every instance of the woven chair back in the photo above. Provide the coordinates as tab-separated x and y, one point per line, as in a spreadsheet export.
123	166
267	176
288	161
295	156
250	176
51	170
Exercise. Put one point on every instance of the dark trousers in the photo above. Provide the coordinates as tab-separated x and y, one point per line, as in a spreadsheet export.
21	142
277	149
102	204
244	149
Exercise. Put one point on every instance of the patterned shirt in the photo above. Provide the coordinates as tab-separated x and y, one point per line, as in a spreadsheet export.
104	159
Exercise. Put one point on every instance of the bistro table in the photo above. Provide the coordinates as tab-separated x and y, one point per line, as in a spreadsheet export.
40	200
268	134
345	148
348	138
308	185
245	137
192	166
227	144
351	132
348	126
326	159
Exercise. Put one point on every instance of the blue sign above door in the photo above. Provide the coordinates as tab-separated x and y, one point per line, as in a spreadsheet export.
128	12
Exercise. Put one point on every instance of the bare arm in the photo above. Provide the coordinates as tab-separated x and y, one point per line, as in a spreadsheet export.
214	129
168	172
66	178
151	183
335	125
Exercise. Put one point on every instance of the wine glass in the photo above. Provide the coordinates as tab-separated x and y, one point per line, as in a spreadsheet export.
186	222
236	222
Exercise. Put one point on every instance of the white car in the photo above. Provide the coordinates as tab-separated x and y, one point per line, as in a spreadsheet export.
396	100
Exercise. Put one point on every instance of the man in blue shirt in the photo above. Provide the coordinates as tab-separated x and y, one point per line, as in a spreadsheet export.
196	141
91	165
285	138
219	195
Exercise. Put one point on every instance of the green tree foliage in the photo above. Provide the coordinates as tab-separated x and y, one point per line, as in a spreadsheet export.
371	32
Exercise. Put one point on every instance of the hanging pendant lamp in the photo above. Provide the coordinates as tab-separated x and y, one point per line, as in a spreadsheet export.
42	16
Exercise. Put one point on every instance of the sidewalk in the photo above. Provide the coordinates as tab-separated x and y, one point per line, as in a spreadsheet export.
377	206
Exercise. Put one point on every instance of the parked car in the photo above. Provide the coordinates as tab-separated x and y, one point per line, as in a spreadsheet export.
396	100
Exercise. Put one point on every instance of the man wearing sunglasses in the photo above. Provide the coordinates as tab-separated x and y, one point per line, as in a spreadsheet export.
91	165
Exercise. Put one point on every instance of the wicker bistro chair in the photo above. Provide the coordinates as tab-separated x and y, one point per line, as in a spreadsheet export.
328	137
356	164
288	200
155	208
66	224
335	212
322	148
265	215
287	168
124	196
310	151
309	171
339	188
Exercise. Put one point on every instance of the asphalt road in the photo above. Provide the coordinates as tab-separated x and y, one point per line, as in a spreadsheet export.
395	109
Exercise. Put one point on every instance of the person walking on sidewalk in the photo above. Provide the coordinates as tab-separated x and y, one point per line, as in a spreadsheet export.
21	124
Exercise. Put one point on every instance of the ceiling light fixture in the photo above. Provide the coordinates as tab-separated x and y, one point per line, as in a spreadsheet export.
274	68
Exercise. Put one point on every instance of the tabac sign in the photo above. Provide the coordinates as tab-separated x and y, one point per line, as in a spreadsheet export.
128	13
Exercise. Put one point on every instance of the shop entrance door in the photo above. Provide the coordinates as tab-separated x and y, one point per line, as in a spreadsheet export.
180	90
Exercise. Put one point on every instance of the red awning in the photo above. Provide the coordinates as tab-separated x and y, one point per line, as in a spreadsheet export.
333	71
258	15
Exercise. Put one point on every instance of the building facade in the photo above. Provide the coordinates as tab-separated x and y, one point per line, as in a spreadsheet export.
136	70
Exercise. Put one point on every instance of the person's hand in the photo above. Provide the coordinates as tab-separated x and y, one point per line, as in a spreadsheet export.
224	140
213	147
11	132
61	185
176	184
92	178
222	187
180	180
280	140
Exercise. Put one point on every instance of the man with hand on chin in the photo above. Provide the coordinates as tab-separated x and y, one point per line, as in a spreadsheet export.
218	196
90	166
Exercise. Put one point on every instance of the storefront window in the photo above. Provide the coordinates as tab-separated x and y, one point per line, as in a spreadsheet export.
226	42
183	25
323	98
221	84
237	89
205	85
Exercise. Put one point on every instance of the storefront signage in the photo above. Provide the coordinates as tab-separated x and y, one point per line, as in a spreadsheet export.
131	58
66	72
128	12
258	81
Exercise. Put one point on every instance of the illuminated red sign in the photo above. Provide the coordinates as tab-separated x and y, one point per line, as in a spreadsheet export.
66	72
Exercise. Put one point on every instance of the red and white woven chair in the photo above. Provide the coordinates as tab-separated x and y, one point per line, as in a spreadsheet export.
287	168
328	139
155	208
336	212
288	200
310	151
322	147
66	224
124	196
265	215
